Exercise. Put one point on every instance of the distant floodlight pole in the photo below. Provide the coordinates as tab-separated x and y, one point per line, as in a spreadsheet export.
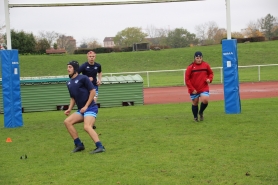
7	19
228	16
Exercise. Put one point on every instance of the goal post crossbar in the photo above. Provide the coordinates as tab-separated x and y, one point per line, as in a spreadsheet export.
95	3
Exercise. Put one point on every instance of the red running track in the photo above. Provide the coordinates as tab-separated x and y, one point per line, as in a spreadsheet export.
180	94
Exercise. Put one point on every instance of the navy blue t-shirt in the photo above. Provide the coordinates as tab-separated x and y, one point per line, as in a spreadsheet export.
79	89
90	70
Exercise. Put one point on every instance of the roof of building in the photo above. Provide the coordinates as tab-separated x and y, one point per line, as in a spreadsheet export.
55	51
108	39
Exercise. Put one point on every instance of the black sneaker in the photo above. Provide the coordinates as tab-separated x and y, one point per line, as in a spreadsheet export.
78	148
98	150
201	117
196	119
94	127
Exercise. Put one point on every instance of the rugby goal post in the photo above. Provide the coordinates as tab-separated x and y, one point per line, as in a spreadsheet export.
8	58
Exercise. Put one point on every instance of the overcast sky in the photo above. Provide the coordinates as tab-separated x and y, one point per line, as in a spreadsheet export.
98	22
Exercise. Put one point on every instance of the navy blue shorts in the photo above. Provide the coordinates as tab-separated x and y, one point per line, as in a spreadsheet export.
91	111
194	96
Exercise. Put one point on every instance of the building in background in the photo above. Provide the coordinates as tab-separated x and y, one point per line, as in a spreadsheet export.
66	42
108	42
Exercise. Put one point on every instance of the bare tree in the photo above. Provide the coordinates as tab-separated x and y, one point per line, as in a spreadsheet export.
201	32
160	38
62	41
91	43
219	35
94	44
84	43
209	33
50	36
212	30
237	35
152	31
2	27
252	30
66	42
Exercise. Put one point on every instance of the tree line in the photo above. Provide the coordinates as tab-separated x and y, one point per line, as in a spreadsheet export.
206	34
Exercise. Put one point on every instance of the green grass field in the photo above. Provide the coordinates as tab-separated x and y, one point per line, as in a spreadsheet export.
152	144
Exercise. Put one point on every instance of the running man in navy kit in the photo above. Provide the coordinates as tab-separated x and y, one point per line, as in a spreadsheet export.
92	70
82	94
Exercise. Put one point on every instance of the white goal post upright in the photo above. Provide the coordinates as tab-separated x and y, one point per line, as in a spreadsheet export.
7	21
228	19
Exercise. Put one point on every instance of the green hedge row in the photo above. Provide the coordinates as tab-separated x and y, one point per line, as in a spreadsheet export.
249	39
103	50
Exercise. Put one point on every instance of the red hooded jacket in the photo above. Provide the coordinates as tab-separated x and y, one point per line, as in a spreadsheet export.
196	76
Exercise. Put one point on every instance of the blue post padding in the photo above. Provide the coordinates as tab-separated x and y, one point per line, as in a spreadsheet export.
230	77
11	89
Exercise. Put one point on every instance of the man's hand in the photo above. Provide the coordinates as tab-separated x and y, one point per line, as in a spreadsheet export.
67	112
208	81
83	109
194	92
91	79
98	82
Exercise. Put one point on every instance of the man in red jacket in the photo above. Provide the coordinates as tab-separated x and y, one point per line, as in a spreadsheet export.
197	77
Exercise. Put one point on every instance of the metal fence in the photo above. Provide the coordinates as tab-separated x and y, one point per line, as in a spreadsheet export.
160	78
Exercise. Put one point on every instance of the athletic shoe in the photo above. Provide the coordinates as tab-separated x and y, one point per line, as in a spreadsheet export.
78	148
201	117
196	119
94	127
98	150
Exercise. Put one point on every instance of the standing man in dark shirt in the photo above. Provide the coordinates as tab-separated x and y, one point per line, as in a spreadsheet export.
197	77
82	94
93	71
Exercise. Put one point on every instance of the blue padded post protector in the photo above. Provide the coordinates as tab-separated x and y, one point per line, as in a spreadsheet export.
11	88
230	77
